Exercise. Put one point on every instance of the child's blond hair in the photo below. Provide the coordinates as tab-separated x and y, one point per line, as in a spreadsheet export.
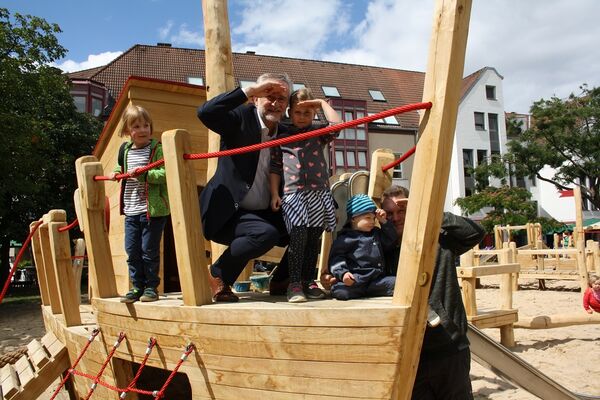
299	95
133	113
593	278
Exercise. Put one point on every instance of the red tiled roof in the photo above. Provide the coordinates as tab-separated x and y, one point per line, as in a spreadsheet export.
399	87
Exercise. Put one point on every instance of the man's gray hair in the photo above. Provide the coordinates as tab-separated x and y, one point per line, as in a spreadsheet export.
283	77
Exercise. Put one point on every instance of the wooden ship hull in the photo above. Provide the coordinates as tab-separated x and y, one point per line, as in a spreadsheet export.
261	347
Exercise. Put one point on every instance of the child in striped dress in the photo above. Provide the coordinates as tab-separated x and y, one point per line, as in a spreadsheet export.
307	204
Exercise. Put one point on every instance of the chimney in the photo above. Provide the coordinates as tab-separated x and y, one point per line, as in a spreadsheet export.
250	52
163	44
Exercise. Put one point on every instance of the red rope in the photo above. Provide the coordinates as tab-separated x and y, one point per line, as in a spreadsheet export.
18	260
70	226
399	160
278	142
72	369
108	358
131	385
184	356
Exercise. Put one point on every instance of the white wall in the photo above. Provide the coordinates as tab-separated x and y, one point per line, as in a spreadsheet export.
467	137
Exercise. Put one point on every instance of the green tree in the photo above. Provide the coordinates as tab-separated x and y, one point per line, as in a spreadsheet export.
565	135
42	133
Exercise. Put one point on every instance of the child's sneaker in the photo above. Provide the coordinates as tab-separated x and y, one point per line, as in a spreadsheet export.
149	295
295	293
132	296
312	290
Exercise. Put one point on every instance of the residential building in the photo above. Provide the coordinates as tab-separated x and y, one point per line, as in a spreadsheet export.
353	90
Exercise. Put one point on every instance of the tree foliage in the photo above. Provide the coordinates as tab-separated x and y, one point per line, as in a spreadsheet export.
42	132
565	135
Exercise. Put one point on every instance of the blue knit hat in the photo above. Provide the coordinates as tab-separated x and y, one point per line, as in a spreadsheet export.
359	204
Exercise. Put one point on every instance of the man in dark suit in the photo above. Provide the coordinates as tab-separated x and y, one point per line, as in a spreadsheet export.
235	205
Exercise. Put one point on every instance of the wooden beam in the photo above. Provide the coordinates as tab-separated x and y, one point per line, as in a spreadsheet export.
557	320
61	258
379	180
185	216
51	283
579	237
101	270
219	75
443	81
40	267
487	270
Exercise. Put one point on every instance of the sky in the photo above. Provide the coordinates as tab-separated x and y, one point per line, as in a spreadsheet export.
542	48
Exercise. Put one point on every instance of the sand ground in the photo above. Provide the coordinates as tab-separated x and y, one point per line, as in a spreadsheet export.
568	355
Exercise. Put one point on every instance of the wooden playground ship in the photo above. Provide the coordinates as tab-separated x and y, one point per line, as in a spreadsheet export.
184	346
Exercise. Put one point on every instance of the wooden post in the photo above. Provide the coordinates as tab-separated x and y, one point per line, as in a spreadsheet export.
40	267
507	333
596	255
379	180
61	257
46	248
326	241
579	237
469	285
101	272
185	216
443	81
515	276
498	237
219	75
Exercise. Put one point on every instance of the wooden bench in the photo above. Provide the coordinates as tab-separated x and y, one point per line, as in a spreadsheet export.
504	317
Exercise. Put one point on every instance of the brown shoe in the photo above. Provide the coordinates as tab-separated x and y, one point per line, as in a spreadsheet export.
221	292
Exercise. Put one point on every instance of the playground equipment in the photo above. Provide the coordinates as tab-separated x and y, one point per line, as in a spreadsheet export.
261	347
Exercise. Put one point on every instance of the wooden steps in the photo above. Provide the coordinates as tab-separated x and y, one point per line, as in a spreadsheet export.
35	371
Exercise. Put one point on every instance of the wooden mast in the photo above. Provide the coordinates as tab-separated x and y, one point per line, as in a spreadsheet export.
429	180
579	236
219	74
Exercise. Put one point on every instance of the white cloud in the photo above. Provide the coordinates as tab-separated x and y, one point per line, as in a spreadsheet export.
93	60
183	37
288	28
163	31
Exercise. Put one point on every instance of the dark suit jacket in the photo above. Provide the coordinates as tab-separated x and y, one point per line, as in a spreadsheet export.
237	123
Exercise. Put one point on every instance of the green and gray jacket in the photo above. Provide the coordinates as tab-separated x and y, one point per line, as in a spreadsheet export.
155	179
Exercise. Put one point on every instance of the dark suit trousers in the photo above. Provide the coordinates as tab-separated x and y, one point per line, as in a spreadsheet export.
249	234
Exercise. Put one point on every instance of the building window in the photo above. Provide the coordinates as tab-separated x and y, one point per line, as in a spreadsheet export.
480	121
490	92
397	173
481	157
195	80
298	86
468	172
377	95
97	105
494	137
245	84
391	120
330	91
80	103
350	148
362	159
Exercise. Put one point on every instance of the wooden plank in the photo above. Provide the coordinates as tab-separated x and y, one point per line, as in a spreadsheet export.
185	216
10	381
40	267
557	320
24	370
52	284
547	252
37	354
61	258
379	180
93	202
321	313
52	345
487	270
532	274
443	81
494	318
44	378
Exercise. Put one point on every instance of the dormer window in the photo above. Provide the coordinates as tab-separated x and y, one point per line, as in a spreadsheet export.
490	92
330	91
376	95
195	80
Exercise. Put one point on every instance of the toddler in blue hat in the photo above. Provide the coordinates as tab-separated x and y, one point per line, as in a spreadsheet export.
357	255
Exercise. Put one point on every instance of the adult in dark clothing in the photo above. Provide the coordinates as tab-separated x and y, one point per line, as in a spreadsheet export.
235	205
445	359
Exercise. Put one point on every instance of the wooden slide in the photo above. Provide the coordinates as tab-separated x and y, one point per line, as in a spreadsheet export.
504	363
